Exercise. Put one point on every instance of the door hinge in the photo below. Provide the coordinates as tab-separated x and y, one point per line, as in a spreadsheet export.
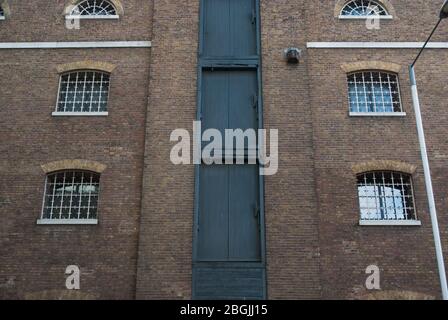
257	214
254	17
255	101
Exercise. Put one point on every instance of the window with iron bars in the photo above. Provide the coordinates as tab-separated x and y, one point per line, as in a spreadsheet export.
386	196
71	195
83	92
374	92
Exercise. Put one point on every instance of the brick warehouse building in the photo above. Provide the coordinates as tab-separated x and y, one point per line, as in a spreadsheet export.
86	178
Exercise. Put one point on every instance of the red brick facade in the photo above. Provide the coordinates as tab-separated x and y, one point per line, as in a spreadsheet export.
142	245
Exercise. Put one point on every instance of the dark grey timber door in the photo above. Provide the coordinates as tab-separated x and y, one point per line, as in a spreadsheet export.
229	28
228	99
229	245
229	222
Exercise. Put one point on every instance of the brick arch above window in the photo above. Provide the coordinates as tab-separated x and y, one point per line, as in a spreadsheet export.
116	3
371	65
60	295
86	65
340	4
75	164
384	165
396	295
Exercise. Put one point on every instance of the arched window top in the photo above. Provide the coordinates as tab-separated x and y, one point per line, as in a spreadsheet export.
363	8
359	9
93	9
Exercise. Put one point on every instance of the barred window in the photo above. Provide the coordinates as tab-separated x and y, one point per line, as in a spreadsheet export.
71	195
83	92
386	196
363	8
95	8
374	92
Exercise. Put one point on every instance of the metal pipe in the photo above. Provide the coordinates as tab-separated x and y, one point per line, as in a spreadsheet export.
428	182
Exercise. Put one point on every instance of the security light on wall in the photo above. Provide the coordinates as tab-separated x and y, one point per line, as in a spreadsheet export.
293	55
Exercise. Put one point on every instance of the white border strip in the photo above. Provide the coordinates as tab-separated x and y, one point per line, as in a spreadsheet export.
377	114
75	45
388	17
79	114
67	221
393	223
93	17
375	45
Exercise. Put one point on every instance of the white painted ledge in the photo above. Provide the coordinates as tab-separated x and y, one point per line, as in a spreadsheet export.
388	17
377	114
76	17
2	18
375	45
80	114
393	223
67	221
75	45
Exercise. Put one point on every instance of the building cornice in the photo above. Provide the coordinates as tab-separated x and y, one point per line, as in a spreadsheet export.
75	45
375	45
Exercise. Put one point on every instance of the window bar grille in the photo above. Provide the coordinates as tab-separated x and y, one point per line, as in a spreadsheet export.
67	88
100	91
84	91
380	78
76	91
71	196
80	195
90	196
62	195
356	90
54	196
91	94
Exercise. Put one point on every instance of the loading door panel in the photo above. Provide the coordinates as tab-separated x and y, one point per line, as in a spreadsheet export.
229	99
229	221
229	28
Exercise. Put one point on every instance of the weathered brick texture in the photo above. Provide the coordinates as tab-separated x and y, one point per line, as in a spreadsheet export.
142	247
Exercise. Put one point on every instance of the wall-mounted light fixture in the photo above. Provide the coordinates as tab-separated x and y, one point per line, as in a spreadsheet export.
293	55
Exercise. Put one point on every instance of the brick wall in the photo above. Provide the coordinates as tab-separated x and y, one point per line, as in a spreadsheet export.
142	246
34	258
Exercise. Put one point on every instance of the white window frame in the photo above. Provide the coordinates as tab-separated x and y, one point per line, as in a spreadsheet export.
351	113
392	223
388	17
377	114
57	113
46	221
92	17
